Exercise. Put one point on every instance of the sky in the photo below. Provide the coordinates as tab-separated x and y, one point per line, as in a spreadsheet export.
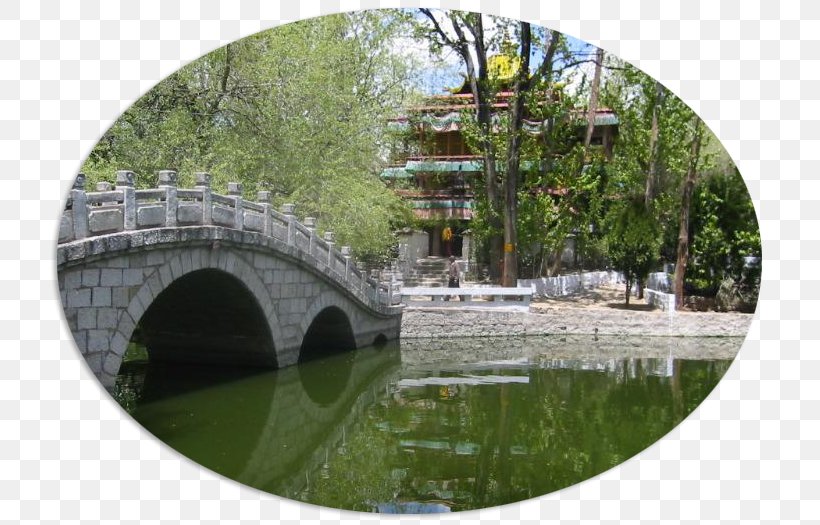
445	72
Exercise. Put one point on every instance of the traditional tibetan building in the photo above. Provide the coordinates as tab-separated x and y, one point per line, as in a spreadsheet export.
435	170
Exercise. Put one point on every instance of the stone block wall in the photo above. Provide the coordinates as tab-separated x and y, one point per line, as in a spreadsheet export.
108	283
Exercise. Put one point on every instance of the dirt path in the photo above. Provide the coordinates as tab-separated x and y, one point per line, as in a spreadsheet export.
603	297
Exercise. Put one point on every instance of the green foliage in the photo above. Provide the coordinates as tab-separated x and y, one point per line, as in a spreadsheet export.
632	240
724	230
565	190
631	94
557	196
299	110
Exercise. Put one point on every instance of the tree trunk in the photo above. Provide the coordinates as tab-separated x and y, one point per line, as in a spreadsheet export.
549	124
477	76
555	267
628	289
593	99
686	203
510	276
654	148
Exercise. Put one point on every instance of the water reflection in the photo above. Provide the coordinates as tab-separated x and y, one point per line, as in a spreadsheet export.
437	425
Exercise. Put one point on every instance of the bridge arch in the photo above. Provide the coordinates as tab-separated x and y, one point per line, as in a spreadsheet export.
120	247
329	332
230	272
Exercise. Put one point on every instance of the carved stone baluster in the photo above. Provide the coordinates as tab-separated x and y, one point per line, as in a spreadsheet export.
329	240
310	224
287	211
167	180
235	191
363	276
125	183
346	255
203	183
374	285
79	207
263	198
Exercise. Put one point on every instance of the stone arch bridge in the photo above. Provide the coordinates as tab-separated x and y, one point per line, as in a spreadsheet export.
203	277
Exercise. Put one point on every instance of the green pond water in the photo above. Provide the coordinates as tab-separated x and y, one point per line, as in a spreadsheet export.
429	426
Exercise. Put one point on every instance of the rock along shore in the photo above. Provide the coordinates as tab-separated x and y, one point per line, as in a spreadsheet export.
451	322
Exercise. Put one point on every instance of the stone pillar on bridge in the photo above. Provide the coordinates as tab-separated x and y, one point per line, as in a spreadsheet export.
263	198
374	283
346	254
287	211
235	191
167	180
310	225
125	184
79	208
329	240
203	183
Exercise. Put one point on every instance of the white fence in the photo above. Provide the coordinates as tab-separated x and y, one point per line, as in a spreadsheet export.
664	301
661	282
658	291
569	284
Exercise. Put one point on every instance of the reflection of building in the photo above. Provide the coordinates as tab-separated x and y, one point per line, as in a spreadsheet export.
435	170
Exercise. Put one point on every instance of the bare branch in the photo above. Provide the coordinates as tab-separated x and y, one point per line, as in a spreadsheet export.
439	30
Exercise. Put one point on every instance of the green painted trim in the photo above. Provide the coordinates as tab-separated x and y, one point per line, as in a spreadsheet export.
430	205
395	173
472	166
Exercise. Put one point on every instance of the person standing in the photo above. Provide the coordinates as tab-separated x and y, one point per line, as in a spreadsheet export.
452	275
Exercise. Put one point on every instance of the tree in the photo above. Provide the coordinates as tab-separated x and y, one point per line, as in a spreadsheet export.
594	92
632	242
298	110
723	232
653	151
466	35
654	146
686	201
474	53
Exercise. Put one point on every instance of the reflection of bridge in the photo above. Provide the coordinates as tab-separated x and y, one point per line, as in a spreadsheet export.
210	278
302	430
290	420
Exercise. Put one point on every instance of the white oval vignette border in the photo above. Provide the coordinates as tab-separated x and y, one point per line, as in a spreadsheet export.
747	68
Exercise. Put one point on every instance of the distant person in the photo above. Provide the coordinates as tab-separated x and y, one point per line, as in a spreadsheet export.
452	274
447	238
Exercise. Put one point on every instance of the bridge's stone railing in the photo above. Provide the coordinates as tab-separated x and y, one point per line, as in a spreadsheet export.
121	208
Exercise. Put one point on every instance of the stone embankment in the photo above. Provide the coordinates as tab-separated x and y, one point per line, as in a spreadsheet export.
599	312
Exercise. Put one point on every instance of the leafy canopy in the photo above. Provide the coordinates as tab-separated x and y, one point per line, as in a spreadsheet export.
298	110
